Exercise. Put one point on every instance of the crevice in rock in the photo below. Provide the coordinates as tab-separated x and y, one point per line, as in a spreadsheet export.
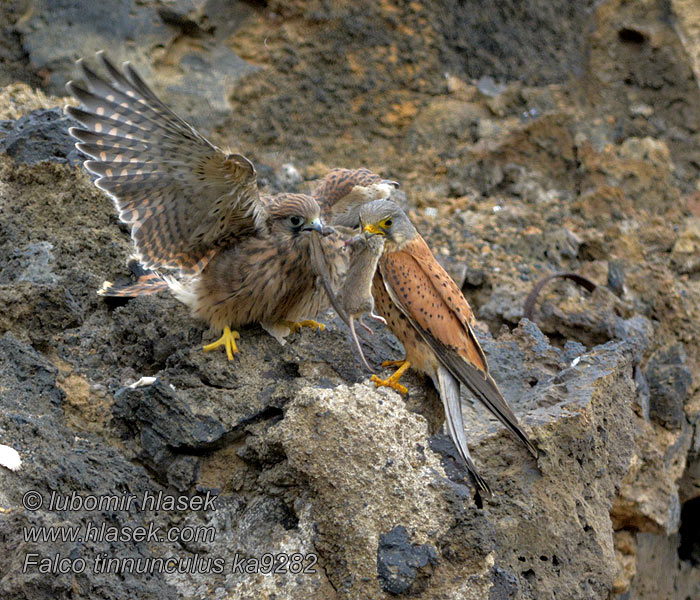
689	548
631	36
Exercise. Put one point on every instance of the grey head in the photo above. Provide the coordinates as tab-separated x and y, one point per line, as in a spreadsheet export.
387	219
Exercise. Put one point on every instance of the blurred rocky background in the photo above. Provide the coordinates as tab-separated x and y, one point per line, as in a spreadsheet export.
531	137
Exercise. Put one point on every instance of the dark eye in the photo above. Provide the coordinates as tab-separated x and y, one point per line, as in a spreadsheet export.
296	221
387	223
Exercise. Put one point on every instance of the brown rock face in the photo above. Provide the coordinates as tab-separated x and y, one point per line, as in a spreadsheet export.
529	138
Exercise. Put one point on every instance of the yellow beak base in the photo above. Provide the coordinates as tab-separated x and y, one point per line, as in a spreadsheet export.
373	229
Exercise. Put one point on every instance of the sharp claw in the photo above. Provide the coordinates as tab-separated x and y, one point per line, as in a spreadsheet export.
228	341
393	363
392	383
294	327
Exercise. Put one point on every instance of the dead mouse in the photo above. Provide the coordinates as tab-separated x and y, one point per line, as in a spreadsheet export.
356	294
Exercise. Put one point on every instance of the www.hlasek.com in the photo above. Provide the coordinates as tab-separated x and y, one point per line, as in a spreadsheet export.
92	531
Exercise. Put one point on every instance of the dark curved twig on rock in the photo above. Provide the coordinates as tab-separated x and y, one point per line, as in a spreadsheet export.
529	306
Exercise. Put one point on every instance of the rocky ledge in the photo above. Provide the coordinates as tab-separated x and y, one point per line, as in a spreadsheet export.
513	170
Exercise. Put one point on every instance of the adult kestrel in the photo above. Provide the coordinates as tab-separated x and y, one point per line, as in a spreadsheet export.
429	315
342	192
196	211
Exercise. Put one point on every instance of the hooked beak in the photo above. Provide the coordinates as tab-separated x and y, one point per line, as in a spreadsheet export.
395	184
373	229
315	225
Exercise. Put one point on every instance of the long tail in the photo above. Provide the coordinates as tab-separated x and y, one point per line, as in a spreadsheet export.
484	388
449	393
147	282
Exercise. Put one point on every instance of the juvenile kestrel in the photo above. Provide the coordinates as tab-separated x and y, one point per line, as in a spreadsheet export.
196	211
429	315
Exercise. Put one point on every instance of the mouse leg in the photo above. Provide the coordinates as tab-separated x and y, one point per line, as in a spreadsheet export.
377	317
367	328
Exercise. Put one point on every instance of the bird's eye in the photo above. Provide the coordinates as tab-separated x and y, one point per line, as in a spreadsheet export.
296	220
387	222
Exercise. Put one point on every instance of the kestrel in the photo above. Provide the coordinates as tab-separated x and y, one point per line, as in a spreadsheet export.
196	211
429	315
342	192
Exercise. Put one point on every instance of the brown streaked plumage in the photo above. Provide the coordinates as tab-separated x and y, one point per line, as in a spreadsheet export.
429	315
195	210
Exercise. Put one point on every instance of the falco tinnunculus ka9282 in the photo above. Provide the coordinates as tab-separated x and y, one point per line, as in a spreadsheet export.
429	315
196	210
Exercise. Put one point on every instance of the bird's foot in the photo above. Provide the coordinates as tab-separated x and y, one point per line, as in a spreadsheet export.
393	381
296	326
228	341
394	363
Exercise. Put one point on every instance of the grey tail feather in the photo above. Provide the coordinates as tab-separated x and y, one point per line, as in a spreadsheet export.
507	418
449	393
483	387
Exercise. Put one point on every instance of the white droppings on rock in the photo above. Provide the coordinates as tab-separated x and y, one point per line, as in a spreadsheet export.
143	382
9	458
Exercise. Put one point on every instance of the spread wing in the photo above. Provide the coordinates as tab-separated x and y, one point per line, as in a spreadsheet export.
431	301
182	195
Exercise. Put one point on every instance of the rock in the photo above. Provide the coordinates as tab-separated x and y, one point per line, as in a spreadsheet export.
33	264
661	574
686	249
41	135
689	487
206	71
338	424
488	87
92	26
399	562
32	416
593	174
166	428
18	99
669	383
616	277
648	498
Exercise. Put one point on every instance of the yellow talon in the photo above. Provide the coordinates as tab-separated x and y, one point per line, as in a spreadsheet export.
393	363
393	381
298	325
228	340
